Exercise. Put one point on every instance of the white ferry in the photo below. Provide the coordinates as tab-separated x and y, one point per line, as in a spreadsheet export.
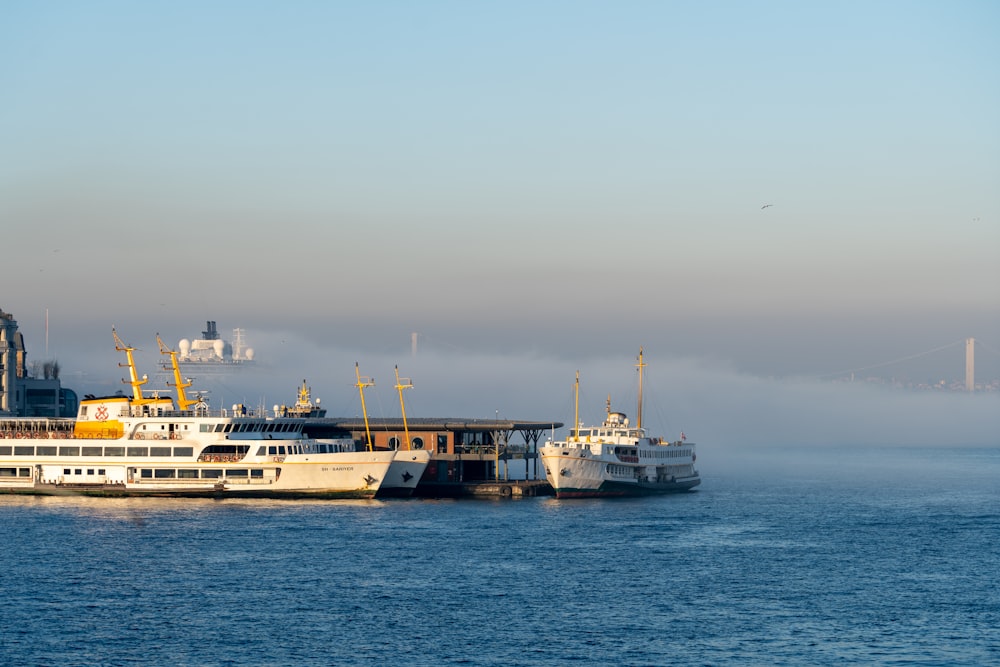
138	445
617	459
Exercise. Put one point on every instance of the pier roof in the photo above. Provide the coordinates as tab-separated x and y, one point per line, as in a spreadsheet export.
433	424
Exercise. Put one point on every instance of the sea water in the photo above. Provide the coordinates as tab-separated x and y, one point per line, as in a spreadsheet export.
787	556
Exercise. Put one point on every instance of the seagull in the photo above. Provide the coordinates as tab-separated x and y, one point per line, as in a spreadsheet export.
765	206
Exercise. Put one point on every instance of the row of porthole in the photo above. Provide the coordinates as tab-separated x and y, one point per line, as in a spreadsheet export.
415	443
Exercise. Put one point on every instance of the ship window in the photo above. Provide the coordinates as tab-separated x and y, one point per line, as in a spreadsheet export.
239	472
66	471
187	474
78	471
26	451
92	451
100	471
5	451
394	443
146	473
8	472
159	451
281	449
211	473
257	473
46	450
183	451
138	451
90	471
418	443
160	473
114	451
272	450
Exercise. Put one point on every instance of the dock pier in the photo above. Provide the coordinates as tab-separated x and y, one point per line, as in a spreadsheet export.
484	489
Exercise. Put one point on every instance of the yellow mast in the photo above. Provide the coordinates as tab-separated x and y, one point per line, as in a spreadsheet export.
304	401
362	383
183	402
576	409
400	387
133	376
640	366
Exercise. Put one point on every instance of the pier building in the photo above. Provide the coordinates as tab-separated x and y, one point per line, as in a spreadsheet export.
464	452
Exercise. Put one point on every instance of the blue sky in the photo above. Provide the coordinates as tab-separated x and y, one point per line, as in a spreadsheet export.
564	180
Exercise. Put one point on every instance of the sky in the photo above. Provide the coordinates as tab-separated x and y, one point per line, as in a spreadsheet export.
761	194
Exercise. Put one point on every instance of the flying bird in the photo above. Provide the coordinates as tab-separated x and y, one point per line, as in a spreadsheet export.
765	206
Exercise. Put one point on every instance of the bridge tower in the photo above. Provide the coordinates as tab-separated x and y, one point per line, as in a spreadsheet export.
970	364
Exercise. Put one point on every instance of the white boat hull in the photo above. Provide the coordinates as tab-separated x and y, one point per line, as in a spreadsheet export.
322	475
404	473
575	471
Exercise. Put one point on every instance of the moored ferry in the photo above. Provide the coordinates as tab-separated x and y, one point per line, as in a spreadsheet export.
617	459
141	445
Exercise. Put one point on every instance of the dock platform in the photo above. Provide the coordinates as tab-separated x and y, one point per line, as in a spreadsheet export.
484	489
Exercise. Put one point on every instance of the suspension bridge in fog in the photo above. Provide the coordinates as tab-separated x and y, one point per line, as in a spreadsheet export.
971	345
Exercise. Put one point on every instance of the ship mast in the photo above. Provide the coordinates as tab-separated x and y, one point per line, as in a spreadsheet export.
640	366
400	387
576	409
133	376
361	384
183	402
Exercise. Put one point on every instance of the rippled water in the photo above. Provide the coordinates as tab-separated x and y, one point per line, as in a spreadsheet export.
861	556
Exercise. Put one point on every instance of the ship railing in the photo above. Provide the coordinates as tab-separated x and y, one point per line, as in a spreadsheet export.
30	427
199	412
480	449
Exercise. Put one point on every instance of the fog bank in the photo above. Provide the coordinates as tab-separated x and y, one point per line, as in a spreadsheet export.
712	403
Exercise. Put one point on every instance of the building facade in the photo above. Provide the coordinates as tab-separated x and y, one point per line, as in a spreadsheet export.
22	395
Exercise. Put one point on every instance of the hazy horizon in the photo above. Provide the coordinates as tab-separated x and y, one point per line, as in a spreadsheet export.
761	195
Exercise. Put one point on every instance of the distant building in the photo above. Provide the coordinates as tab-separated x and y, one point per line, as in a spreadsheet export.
22	395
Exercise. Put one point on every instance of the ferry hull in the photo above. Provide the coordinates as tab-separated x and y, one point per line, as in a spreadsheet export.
405	472
118	491
574	472
335	475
